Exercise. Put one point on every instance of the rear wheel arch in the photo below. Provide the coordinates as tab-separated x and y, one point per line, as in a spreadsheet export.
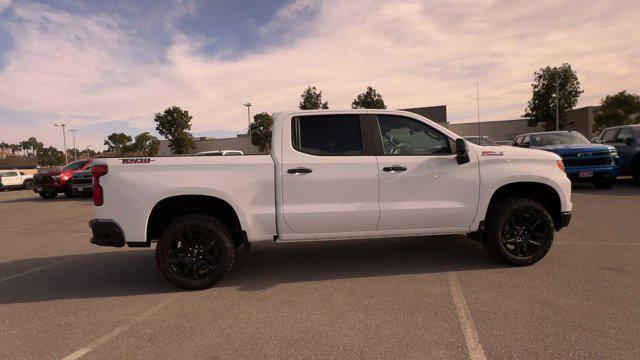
539	192
171	208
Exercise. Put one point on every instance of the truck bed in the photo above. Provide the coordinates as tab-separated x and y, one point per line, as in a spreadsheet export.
133	186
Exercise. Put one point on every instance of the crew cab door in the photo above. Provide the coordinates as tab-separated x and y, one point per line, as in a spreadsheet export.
421	184
329	175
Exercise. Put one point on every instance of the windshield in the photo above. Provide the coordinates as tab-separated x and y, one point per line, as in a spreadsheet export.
74	165
561	138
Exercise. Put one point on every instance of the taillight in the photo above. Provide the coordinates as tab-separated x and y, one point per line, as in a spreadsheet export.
97	171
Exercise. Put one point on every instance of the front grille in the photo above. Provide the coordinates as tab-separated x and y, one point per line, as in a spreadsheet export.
41	180
82	180
596	159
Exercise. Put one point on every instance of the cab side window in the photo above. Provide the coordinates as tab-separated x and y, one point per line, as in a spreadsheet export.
327	135
526	141
609	136
518	141
406	136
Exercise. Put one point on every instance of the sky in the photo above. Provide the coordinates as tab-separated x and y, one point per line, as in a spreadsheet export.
109	66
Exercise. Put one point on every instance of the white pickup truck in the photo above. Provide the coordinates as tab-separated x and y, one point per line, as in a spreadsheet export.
331	175
15	179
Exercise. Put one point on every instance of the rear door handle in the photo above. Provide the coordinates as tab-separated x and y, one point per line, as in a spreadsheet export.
300	170
394	168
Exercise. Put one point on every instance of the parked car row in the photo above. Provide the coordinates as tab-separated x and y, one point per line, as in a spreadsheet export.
616	151
49	184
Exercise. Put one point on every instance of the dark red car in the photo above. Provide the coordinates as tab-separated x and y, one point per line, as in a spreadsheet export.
49	183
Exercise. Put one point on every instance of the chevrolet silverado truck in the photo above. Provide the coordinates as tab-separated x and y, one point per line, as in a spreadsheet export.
584	161
331	175
49	183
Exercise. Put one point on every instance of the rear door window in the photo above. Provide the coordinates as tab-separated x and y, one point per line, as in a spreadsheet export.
328	135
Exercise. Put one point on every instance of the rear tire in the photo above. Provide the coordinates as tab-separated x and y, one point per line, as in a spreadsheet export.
195	252
604	184
28	184
47	195
518	231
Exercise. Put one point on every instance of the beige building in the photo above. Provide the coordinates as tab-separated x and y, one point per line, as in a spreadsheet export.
240	142
580	120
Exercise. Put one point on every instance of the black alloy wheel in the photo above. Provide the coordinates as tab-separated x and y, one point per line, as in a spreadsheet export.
193	255
523	233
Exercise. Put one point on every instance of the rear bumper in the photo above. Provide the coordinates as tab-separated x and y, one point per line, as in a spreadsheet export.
106	233
565	219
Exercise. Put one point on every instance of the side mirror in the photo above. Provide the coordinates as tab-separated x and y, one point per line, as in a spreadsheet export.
595	140
462	154
628	141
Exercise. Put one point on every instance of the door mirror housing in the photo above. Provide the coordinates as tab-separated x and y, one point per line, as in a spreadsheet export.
462	153
596	140
628	141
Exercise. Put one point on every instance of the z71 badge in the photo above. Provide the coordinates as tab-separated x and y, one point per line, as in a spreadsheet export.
492	153
137	161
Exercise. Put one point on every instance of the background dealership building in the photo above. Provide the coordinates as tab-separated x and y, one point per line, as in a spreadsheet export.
580	120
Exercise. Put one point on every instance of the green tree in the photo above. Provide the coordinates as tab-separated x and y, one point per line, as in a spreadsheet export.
118	142
618	109
311	99
369	99
15	148
34	145
261	131
50	156
146	144
542	106
174	124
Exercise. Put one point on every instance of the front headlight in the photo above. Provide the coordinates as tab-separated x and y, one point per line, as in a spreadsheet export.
55	177
614	156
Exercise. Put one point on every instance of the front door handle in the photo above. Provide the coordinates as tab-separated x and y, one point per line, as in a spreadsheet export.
394	168
299	170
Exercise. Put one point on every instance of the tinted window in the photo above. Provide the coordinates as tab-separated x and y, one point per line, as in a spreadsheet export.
9	173
526	141
623	135
609	136
518	140
405	136
328	135
559	138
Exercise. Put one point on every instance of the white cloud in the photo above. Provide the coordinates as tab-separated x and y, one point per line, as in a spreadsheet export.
4	4
415	53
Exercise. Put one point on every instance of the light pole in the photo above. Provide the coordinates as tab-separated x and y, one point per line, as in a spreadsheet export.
248	105
557	103
88	152
75	151
64	139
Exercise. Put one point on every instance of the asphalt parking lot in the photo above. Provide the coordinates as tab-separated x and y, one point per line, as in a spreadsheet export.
426	298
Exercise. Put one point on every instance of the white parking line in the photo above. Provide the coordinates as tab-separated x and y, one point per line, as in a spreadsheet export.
474	348
110	335
42	268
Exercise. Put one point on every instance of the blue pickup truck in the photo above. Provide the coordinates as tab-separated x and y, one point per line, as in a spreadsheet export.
583	160
626	140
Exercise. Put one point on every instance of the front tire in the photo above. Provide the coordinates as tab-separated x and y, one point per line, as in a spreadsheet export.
28	184
518	231
69	193
47	195
195	252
